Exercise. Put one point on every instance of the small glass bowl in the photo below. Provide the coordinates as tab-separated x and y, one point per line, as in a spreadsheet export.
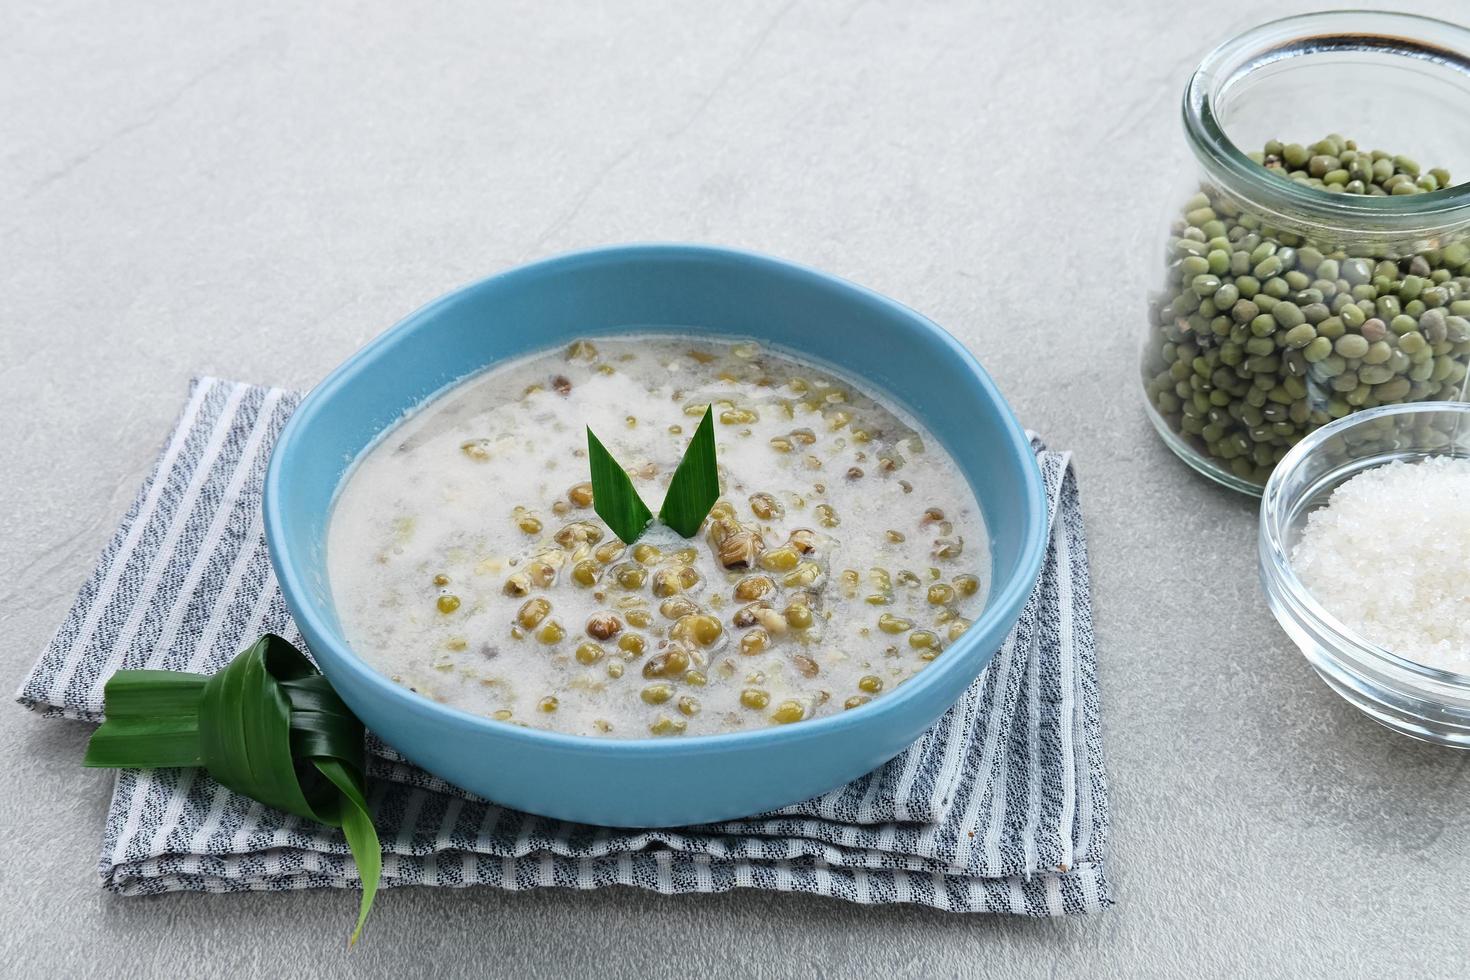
1420	701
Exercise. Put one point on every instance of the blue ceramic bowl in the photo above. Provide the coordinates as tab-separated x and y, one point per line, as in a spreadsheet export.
670	288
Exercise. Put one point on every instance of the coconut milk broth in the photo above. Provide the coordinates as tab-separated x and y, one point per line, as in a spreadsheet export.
465	565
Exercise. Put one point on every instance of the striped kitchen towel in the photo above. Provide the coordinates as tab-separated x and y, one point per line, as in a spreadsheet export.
1000	807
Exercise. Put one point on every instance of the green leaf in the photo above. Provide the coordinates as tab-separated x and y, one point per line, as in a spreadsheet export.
245	733
696	483
152	721
613	495
362	836
321	725
268	726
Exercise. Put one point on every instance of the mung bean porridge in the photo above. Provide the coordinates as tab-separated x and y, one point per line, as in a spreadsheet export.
846	551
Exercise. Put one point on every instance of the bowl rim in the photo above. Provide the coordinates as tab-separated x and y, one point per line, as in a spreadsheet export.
1003	605
1275	560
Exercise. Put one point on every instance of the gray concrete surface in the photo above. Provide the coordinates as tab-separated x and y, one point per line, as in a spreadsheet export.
254	189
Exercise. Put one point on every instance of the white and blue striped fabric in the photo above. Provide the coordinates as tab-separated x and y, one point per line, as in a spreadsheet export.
1001	807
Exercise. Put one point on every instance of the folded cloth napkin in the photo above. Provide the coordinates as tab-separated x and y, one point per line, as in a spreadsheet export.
1000	807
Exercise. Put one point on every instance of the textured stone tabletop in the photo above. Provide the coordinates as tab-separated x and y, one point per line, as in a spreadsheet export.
253	190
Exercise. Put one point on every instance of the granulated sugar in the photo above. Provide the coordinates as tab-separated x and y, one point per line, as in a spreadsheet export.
1389	556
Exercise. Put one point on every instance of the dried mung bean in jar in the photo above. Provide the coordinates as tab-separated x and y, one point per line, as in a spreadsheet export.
1264	334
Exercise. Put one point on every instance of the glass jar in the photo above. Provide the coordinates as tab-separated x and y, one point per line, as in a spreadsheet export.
1308	276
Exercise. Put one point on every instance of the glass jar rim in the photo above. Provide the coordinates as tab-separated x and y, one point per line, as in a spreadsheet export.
1407	35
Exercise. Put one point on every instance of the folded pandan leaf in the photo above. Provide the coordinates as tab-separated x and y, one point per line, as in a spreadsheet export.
268	726
613	495
692	492
696	483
